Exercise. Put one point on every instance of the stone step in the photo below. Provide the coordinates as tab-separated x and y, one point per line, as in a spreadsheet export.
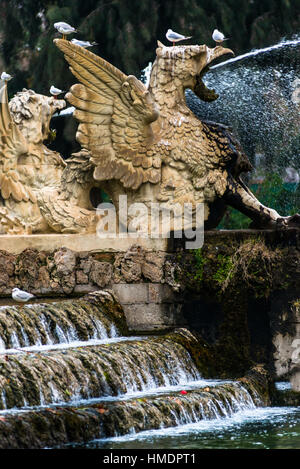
32	379
96	316
59	426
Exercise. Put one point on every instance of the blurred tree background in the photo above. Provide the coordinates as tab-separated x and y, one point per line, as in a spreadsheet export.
127	30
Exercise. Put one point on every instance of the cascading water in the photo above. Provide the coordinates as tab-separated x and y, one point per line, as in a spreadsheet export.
259	97
54	323
68	362
93	371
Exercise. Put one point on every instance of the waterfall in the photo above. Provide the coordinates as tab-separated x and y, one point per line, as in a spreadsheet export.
93	371
129	417
55	323
72	365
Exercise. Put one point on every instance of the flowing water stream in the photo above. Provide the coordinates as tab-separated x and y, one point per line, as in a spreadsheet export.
259	97
71	376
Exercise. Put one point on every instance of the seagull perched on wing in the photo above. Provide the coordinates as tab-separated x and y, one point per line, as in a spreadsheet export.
175	37
84	44
218	37
64	28
55	91
5	76
21	296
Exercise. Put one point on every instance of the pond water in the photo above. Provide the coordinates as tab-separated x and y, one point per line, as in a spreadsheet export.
261	428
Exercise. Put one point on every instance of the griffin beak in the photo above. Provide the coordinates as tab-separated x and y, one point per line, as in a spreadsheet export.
218	51
200	89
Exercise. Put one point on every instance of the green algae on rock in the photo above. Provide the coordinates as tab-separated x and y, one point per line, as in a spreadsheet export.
240	294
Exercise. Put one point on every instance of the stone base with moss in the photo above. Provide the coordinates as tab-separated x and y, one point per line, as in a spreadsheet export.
239	293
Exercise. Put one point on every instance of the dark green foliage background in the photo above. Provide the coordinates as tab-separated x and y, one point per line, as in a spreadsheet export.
127	30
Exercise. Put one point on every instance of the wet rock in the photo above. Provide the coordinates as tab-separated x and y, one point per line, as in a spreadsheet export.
262	383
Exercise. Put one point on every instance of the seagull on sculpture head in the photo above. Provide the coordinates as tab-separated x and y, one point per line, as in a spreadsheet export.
218	37
175	37
64	29
5	76
21	296
84	44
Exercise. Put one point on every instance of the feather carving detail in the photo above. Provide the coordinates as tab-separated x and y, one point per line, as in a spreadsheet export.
115	112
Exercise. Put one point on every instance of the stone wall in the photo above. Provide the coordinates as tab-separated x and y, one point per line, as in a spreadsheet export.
241	291
138	277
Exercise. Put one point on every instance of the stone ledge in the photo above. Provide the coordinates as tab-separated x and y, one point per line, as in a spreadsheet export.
76	242
15	244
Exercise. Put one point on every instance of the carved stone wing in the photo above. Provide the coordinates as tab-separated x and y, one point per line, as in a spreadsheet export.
115	112
12	146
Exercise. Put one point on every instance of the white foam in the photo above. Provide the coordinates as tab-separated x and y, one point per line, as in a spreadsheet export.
67	345
262	414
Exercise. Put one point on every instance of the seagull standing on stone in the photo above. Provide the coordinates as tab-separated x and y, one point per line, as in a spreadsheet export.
218	37
55	91
64	29
84	44
21	296
5	76
175	37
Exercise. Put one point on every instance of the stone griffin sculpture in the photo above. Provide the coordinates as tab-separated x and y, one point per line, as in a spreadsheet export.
25	162
141	142
30	173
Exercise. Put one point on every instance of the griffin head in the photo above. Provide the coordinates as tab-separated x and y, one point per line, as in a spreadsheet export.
185	66
32	113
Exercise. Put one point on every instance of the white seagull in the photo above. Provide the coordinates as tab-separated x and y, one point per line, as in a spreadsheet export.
64	28
5	76
175	37
55	91
218	37
84	44
21	296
